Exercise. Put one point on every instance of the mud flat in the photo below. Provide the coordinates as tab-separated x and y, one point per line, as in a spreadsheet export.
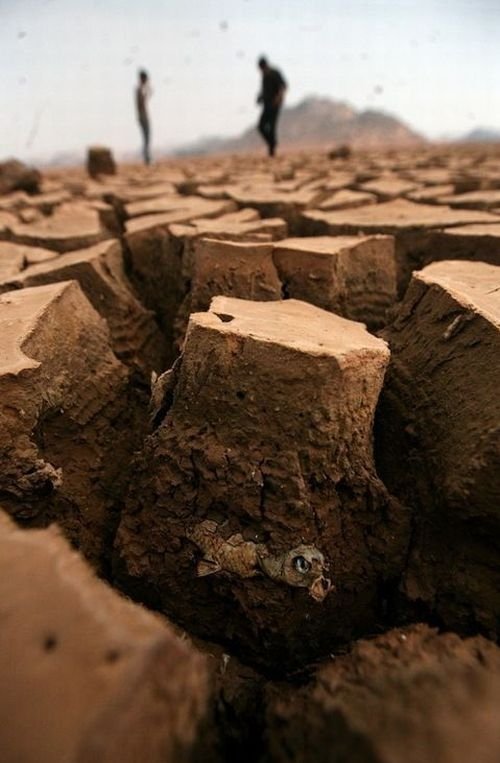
260	399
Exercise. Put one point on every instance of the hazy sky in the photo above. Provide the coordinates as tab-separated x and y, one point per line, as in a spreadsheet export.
68	67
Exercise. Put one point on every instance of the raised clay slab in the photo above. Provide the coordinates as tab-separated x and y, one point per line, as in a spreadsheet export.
264	427
439	437
64	400
87	675
100	272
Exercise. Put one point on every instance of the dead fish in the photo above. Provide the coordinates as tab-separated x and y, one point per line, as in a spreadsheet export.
234	554
301	567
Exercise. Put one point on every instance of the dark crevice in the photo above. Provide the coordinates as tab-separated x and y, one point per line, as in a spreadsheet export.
224	317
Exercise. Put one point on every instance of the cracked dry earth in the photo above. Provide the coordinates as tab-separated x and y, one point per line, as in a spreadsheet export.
250	461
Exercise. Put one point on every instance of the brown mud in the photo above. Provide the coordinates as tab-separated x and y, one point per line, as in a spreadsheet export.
260	400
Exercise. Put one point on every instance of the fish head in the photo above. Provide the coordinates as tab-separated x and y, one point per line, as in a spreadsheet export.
304	567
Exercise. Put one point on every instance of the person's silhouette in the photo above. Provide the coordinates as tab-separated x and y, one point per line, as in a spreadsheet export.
271	98
142	95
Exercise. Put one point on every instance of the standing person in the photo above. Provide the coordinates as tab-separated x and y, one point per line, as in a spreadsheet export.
142	96
271	97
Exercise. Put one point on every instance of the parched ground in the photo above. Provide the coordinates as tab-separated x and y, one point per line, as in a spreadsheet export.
260	400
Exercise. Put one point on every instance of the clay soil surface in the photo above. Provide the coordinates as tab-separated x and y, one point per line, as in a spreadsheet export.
250	459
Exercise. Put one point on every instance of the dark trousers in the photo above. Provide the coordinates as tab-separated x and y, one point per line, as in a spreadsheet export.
145	129
267	126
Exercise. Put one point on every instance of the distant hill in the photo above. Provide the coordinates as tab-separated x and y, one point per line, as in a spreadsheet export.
482	135
319	122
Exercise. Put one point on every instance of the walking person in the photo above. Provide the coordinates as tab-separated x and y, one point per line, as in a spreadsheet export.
142	96
271	97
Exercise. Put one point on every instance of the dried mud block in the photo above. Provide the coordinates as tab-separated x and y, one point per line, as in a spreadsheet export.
256	516
68	418
340	152
352	276
73	226
390	187
244	225
155	260
22	254
100	161
410	695
347	199
29	216
275	202
42	203
231	269
438	439
338	180
135	336
86	675
108	217
155	266
430	194
7	220
159	205
130	192
435	176
481	178
233	728
187	207
12	260
468	242
412	225
15	200
487	199
16	176
46	202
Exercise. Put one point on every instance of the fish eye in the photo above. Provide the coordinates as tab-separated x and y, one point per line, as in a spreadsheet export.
301	564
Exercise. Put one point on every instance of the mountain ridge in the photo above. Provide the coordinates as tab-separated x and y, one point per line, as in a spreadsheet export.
482	135
318	121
